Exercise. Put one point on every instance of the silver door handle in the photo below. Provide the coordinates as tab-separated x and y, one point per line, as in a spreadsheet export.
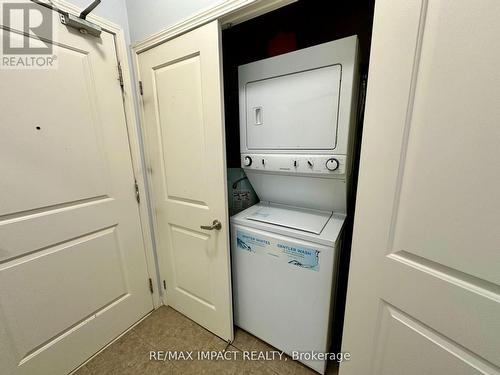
215	225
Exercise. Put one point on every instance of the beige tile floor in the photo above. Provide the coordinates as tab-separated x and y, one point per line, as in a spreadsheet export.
166	329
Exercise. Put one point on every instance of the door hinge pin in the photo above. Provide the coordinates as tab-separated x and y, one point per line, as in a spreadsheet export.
151	285
140	88
164	285
137	194
120	74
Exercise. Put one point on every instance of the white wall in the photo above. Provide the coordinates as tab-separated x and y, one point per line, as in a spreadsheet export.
142	18
147	17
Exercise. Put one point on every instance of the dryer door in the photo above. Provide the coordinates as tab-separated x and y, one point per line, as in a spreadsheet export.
294	111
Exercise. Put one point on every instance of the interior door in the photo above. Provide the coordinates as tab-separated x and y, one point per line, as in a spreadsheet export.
183	120
72	265
424	284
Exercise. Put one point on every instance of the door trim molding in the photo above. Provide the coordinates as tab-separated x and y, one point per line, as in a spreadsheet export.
229	12
134	139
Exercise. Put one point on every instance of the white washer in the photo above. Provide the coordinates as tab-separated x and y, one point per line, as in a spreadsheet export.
296	135
284	262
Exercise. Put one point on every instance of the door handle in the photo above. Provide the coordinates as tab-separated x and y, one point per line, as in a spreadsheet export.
258	115
215	225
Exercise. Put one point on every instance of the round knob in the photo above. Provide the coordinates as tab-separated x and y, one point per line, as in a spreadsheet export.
332	164
247	161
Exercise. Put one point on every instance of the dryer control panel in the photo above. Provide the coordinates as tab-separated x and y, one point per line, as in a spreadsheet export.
291	164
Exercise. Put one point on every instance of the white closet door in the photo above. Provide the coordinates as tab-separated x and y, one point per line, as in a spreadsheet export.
424	283
183	121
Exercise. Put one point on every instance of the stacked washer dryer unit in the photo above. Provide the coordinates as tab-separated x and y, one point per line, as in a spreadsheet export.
297	119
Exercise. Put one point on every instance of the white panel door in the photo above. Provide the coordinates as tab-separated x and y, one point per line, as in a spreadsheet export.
424	283
183	121
72	265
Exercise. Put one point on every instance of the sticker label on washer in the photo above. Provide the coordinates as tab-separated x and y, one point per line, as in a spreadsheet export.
299	256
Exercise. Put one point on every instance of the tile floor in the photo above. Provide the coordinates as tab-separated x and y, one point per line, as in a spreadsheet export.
166	329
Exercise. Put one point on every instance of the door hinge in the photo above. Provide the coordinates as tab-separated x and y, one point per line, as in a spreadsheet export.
120	74
151	285
140	88
164	285
137	194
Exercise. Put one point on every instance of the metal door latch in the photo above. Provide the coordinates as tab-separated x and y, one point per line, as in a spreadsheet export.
137	194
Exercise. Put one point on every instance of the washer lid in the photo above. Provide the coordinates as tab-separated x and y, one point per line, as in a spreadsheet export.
312	221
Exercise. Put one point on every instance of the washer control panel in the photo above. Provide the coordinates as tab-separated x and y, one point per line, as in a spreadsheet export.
302	164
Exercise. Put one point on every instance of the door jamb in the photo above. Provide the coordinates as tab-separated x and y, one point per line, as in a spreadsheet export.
129	108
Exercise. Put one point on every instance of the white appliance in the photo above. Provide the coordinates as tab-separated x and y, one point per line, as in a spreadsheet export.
297	116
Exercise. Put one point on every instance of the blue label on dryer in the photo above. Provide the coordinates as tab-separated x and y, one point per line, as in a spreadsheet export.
299	256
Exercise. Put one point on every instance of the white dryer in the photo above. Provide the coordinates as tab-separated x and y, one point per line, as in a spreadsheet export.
297	116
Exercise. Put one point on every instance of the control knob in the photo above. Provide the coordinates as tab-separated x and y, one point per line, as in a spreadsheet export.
247	161
332	164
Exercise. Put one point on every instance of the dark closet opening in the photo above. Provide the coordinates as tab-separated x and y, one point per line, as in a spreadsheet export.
296	26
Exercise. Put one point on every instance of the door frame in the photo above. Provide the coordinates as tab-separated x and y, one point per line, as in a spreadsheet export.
134	139
229	12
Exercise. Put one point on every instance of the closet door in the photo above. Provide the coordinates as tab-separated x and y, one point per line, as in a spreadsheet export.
424	283
183	120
